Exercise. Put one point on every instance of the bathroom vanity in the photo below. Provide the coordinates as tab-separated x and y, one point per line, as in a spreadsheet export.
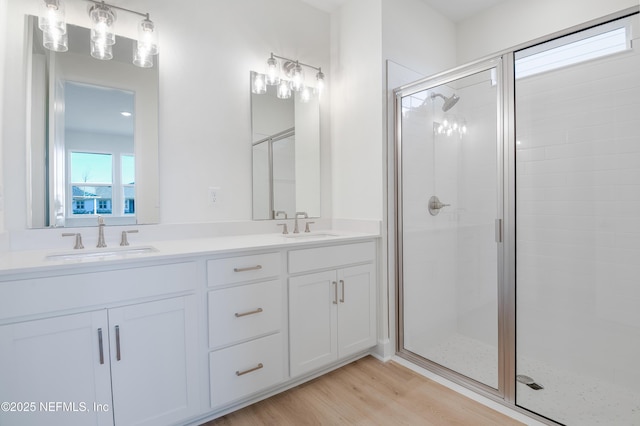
183	333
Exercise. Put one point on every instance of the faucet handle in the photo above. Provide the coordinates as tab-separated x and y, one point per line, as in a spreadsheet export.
78	243
306	226
124	241
284	228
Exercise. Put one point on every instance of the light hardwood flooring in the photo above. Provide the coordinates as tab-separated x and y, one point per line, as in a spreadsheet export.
367	392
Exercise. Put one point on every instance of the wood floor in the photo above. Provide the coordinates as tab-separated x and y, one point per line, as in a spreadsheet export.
367	392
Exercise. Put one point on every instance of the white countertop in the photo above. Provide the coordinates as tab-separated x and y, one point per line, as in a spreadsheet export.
14	262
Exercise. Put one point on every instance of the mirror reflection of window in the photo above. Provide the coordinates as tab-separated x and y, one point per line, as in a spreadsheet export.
99	142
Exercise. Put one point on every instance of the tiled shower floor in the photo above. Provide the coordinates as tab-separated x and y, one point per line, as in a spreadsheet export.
567	397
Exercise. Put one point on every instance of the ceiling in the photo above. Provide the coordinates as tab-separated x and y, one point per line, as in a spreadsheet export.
455	10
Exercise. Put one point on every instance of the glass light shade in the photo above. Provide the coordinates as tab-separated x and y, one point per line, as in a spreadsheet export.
272	72
320	82
142	57
148	36
305	94
258	84
101	51
55	41
52	17
297	78
104	19
284	89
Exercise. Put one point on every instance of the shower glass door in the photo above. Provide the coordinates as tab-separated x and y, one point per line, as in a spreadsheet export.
449	204
578	227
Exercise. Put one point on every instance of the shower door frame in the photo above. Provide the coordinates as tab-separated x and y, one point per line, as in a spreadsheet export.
506	393
506	300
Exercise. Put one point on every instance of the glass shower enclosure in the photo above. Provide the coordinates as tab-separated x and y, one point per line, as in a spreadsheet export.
518	225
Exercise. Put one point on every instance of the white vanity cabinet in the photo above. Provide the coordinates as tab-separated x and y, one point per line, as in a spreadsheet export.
122	364
332	313
56	360
247	322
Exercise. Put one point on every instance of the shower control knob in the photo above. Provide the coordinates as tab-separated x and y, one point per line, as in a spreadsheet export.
435	205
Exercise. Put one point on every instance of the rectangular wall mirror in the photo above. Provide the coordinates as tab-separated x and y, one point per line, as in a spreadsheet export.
94	134
286	155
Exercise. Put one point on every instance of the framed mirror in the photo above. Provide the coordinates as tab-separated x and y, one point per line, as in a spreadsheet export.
94	135
285	155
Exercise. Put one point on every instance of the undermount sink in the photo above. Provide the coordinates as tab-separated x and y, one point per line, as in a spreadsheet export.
319	234
114	253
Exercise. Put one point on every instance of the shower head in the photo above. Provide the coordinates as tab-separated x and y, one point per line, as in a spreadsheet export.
448	102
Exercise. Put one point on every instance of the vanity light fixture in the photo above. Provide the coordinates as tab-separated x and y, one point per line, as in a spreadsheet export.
103	18
288	77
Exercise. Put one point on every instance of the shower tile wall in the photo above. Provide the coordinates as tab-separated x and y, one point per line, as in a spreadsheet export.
578	224
428	241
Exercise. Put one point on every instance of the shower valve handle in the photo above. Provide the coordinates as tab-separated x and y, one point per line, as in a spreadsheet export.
435	205
438	205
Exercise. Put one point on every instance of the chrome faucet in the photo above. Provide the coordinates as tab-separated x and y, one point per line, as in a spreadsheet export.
101	242
279	212
296	230
78	244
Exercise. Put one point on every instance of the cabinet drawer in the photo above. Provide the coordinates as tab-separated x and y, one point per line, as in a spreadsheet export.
74	291
240	313
331	257
244	369
243	268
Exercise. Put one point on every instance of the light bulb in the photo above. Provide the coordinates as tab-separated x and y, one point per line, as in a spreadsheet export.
284	89
272	72
297	78
305	94
103	18
142	56
52	17
320	82
258	84
148	36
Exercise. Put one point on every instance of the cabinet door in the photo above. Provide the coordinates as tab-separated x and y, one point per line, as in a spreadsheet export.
312	321
56	366
356	309
154	362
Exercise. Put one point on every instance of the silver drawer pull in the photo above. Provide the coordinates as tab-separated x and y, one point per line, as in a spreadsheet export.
251	370
249	268
100	346
244	314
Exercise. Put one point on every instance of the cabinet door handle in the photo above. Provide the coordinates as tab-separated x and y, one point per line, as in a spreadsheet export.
249	268
251	370
244	314
335	297
118	357
100	346
342	284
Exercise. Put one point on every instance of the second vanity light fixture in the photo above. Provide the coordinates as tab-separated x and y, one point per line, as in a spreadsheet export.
103	18
288	77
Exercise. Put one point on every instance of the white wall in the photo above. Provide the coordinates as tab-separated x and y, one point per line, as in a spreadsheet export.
357	110
417	36
207	50
513	22
3	38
